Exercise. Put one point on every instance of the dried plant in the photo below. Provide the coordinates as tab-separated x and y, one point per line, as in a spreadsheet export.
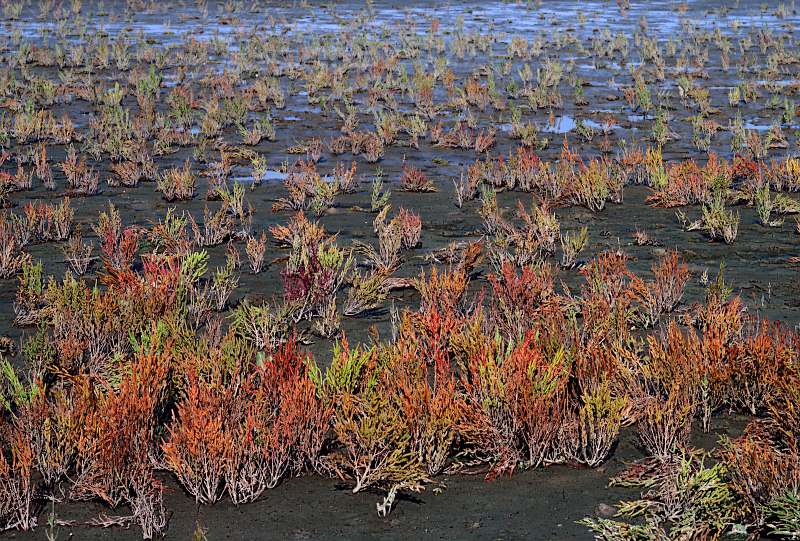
519	296
16	480
265	327
390	239
345	178
256	249
373	148
329	323
663	294
12	258
664	422
43	169
642	238
80	178
466	189
117	444
78	253
217	227
177	184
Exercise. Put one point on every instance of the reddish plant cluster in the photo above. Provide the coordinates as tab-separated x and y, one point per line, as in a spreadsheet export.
242	427
518	376
686	183
567	181
43	222
152	363
414	180
462	136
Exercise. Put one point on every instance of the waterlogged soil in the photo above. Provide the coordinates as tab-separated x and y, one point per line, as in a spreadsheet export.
539	504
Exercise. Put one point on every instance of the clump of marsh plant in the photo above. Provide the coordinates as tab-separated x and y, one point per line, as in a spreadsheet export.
572	244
